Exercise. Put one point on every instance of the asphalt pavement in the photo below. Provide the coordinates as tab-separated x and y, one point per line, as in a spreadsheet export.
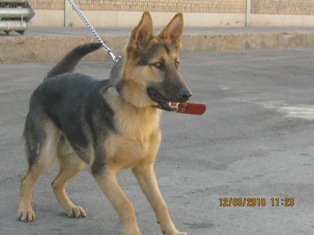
245	167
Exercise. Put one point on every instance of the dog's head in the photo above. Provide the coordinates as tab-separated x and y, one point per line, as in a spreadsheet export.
152	63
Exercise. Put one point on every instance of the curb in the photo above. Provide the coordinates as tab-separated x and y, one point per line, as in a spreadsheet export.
52	48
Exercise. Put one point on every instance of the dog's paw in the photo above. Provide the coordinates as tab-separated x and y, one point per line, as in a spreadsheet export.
75	212
26	215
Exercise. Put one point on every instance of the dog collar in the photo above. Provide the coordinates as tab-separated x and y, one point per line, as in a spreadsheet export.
189	108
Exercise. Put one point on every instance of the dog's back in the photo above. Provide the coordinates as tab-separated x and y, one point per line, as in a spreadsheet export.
60	102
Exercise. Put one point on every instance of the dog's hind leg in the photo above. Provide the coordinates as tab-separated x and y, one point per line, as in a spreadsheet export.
41	141
70	165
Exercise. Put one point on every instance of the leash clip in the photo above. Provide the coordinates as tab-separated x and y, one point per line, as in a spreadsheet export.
91	28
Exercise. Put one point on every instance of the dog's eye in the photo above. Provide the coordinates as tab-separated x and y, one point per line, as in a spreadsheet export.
158	65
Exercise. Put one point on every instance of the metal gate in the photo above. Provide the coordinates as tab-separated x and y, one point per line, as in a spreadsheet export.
15	15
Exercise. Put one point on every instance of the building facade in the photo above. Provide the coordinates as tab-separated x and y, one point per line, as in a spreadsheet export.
197	13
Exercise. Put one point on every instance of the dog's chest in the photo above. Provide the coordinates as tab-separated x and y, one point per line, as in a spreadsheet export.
137	134
137	139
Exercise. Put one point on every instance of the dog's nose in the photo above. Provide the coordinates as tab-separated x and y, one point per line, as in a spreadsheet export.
185	94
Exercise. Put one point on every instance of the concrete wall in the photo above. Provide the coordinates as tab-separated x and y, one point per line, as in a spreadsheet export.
282	13
198	13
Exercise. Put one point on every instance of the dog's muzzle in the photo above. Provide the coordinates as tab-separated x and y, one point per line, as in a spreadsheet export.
166	104
184	94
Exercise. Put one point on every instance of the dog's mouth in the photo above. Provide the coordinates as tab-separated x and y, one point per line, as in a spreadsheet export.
162	101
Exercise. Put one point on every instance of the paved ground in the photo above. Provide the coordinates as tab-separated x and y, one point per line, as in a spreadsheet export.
254	141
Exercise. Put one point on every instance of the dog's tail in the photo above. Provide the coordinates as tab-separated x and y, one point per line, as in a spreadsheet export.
68	63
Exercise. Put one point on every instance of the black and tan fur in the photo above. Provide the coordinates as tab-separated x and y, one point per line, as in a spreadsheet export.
109	125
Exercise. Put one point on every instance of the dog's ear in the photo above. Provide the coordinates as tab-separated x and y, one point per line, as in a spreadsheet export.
142	33
173	30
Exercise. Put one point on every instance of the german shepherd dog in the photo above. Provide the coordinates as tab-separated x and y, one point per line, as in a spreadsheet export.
109	124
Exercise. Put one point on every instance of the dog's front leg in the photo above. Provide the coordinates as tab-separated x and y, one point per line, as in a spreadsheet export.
146	177
109	185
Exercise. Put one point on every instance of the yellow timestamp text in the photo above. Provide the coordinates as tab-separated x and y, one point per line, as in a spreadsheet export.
256	202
